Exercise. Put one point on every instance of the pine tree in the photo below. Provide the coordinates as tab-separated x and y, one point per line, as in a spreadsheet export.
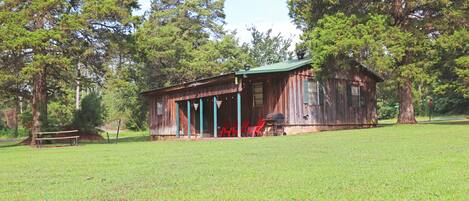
42	38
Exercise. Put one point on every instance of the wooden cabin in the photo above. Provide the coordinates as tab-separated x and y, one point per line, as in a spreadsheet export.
201	108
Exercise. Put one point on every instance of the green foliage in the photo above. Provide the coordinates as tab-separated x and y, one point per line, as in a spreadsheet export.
26	119
387	110
451	88
2	122
91	114
59	114
266	48
122	97
10	133
338	38
42	44
184	40
398	39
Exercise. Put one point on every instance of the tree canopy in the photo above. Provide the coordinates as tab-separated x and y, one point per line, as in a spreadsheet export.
267	48
396	38
43	39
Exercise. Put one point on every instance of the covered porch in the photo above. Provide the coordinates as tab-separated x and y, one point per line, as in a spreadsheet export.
211	116
216	107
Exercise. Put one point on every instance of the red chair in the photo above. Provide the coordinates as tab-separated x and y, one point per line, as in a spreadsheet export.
244	128
225	130
257	129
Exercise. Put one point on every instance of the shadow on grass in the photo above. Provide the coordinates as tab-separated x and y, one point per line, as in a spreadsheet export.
436	122
380	125
14	143
464	122
120	140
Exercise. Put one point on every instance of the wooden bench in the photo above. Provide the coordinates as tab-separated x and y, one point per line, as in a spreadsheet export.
41	137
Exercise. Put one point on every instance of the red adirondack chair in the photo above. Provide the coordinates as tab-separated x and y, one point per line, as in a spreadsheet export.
225	130
257	129
244	128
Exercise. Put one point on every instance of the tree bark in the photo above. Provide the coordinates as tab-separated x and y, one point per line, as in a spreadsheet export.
39	104
77	89
406	106
17	110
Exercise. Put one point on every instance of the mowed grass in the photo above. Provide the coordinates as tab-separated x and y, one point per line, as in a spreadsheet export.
393	162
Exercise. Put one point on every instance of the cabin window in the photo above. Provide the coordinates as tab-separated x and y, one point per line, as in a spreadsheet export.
257	94
313	92
354	97
159	108
362	97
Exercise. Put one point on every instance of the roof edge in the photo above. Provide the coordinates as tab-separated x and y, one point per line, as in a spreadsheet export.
185	84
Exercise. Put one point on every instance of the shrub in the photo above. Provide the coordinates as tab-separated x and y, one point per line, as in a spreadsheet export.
2	124
60	114
26	119
387	110
91	114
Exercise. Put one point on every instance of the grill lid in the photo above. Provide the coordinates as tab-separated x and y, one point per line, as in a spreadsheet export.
277	117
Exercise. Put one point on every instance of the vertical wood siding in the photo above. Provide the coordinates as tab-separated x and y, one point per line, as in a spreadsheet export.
283	93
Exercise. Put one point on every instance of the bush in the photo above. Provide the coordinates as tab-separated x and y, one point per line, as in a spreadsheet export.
60	114
91	114
26	119
387	110
138	116
2	124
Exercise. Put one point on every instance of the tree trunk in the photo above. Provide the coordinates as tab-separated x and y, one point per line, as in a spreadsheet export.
77	89
406	107
39	104
17	110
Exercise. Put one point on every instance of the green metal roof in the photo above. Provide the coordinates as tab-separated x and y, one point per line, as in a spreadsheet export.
292	65
277	67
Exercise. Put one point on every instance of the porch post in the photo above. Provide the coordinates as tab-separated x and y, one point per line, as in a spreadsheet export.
215	124
177	120
201	117
189	119
239	113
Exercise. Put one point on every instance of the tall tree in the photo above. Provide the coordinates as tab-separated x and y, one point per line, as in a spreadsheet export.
41	35
450	90
267	48
413	24
184	40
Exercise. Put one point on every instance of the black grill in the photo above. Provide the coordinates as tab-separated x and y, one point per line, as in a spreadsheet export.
276	122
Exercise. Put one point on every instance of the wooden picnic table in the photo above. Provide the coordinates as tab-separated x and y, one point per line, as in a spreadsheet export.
52	135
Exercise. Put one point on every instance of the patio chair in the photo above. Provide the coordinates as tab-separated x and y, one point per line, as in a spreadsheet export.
244	128
257	129
225	130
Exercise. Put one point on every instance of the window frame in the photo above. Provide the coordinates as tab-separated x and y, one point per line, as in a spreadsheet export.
313	92
159	107
355	98
314	95
257	85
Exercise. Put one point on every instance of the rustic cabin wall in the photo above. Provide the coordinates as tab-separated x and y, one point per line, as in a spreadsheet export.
335	107
274	96
161	123
282	92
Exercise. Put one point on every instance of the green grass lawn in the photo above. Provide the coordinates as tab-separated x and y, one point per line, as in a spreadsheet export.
393	162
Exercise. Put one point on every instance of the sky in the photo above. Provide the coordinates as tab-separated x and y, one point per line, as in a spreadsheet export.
264	14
